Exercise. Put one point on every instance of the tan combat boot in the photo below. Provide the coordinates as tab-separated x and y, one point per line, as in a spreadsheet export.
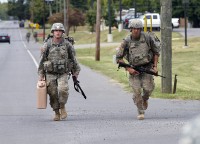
140	114
57	115
140	117
63	113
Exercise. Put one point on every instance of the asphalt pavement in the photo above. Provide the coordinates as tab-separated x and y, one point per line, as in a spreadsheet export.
190	32
107	116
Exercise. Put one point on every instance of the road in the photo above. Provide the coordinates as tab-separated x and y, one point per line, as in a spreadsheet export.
108	116
191	32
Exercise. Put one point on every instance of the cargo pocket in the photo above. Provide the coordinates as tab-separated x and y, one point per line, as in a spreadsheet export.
48	66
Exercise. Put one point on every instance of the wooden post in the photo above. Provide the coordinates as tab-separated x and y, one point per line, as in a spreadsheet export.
60	5
65	14
44	20
98	22
185	3
67	19
166	45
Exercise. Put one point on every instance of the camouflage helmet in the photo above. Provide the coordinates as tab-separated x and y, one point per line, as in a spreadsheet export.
135	23
57	26
191	132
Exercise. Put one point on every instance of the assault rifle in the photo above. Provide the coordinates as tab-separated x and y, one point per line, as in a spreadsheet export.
77	87
140	69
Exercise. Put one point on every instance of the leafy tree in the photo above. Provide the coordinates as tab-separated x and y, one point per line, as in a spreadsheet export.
27	14
141	5
91	19
3	11
37	8
16	8
56	18
28	9
91	3
177	8
105	14
193	11
80	4
76	18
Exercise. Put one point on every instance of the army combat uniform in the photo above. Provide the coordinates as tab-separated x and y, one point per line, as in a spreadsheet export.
140	52
57	60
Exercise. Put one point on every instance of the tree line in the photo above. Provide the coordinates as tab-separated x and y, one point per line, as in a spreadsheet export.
84	11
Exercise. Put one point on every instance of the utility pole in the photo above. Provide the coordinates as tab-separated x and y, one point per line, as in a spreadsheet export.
135	13
110	38
58	9
50	2
120	25
120	11
185	3
67	19
148	5
32	13
64	10
56	6
50	10
109	15
44	20
166	45
60	5
44	9
98	22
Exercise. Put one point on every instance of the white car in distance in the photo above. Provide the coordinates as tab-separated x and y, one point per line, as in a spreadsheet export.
155	20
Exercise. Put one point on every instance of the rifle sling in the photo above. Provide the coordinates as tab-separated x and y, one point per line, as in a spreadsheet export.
77	87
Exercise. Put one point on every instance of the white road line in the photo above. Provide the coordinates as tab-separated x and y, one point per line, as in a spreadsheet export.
32	57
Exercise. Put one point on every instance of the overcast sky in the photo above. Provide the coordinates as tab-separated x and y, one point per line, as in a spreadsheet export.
3	0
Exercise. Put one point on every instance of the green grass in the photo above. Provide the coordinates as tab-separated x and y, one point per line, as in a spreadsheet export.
85	37
185	63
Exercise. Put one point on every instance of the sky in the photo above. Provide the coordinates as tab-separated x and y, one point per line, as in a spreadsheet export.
3	0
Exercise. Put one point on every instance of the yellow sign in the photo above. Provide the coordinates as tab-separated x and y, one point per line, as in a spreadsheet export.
37	26
34	25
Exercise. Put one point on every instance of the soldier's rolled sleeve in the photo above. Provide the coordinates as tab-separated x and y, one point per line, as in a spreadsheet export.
42	59
155	45
76	66
120	51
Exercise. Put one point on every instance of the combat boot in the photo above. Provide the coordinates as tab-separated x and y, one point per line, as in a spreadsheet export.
145	104
57	115
140	114
140	117
63	113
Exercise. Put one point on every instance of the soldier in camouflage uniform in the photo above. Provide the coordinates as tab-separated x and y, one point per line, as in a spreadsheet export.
140	49
57	60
